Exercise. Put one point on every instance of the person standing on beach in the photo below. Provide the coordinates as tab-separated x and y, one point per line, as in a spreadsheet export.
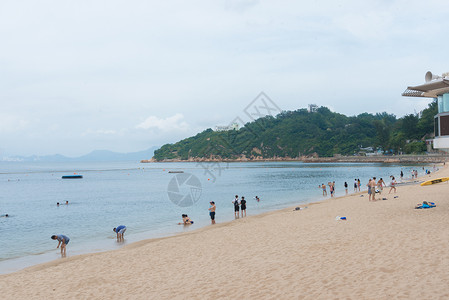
369	189
380	185
346	187
62	241
355	185
212	212
331	189
358	184
236	206
243	206
392	185
372	187
120	230
402	174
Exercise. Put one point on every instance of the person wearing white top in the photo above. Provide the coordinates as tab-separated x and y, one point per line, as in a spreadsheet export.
236	206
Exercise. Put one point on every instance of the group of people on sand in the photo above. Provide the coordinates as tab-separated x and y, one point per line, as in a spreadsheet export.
378	187
64	240
239	204
187	221
374	186
357	185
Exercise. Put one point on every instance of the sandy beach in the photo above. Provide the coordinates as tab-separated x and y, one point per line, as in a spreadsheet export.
384	250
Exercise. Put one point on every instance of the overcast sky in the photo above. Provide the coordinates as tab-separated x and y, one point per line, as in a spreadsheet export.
76	76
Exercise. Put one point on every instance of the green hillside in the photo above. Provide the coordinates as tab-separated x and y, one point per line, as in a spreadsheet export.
294	133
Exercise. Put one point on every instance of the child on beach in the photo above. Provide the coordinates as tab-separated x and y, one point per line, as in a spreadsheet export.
346	187
62	241
185	220
120	230
392	185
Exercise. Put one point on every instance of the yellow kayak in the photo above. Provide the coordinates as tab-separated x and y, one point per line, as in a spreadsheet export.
433	181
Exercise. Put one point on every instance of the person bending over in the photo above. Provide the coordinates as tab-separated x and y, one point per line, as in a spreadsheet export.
62	241
120	230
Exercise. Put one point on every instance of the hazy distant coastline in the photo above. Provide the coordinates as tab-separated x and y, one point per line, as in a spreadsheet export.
94	156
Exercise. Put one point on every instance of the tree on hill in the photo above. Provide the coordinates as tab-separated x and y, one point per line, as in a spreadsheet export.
295	133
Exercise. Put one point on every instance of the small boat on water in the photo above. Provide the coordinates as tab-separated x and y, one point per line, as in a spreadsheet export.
72	177
175	171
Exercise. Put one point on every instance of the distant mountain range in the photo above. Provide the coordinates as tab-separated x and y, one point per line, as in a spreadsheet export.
96	155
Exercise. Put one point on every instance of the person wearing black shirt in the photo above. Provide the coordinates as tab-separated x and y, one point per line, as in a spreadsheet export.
243	206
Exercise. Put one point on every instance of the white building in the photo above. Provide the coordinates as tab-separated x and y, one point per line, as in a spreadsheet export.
312	108
436	87
233	126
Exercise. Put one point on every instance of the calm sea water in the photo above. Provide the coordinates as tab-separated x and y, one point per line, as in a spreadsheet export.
137	195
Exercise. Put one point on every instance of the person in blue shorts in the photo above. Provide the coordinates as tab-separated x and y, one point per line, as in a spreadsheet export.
62	241
120	230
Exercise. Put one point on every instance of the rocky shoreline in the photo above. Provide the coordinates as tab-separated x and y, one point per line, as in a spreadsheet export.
360	159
